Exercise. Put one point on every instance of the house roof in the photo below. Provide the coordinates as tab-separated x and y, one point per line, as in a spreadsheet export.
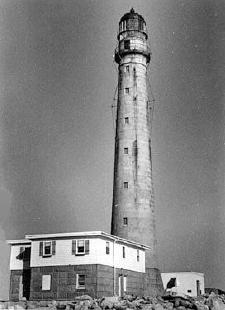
87	234
183	272
19	241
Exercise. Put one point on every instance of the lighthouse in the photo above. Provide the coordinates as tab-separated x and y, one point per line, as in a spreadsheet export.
133	208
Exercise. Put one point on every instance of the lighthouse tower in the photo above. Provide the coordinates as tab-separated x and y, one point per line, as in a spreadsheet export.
133	209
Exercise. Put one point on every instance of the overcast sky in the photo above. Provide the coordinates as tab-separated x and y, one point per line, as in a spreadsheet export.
57	82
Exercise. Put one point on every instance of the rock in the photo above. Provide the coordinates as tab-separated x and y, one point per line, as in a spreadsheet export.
107	304
158	307
181	308
217	304
83	297
147	307
60	307
168	305
32	304
130	297
120	305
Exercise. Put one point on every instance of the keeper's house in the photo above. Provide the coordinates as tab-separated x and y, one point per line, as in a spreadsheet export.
66	265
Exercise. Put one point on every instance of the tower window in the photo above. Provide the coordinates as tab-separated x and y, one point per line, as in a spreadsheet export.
127	90
123	251
125	150
126	120
125	184
126	44
125	221
127	69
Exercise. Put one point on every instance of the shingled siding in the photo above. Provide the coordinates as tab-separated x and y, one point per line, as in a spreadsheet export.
14	284
63	282
99	281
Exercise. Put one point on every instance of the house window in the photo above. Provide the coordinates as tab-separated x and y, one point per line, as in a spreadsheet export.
46	282
125	150
138	256
80	281
125	283
127	90
47	249
127	69
80	247
126	44
126	120
125	184
123	251
125	221
107	249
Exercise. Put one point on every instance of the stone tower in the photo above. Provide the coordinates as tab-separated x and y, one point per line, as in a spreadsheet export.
133	209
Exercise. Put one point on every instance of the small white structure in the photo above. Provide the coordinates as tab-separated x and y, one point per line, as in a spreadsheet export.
187	283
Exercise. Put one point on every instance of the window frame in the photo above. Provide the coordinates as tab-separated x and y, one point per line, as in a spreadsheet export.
78	286
44	246
107	247
126	44
46	286
126	120
126	150
124	252
125	221
125	185
77	247
127	90
138	255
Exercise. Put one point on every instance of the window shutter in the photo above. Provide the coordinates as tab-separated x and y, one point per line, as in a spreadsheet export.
53	247
41	248
73	247
87	247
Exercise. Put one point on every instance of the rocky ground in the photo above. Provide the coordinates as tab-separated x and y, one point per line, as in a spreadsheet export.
206	302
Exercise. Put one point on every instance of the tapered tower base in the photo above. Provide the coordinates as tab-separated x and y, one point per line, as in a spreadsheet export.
153	283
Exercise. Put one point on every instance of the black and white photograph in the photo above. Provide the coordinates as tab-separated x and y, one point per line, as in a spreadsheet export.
112	154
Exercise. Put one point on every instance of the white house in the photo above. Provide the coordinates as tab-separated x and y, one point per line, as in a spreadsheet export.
64	265
188	283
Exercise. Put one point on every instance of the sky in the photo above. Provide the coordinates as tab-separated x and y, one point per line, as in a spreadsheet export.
57	83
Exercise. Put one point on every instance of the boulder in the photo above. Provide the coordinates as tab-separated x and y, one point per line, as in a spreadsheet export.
157	307
217	304
83	297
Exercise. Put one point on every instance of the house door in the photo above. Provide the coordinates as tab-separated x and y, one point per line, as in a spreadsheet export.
120	279
20	287
198	287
